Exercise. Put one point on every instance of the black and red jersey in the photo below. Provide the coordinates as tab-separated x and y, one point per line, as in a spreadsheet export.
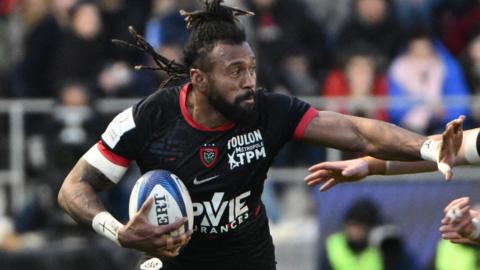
223	168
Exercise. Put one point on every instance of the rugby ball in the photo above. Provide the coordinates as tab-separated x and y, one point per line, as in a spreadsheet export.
171	200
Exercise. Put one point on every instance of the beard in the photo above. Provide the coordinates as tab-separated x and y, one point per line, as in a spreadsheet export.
233	111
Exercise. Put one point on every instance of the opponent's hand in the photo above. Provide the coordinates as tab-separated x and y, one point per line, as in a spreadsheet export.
335	172
457	225
451	142
154	240
449	233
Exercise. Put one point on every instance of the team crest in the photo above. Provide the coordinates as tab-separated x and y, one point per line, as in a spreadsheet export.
208	155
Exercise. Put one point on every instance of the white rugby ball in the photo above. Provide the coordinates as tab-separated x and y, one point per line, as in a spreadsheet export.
171	200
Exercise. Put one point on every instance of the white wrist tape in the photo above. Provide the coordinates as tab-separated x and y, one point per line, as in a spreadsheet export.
476	229
430	150
105	224
471	151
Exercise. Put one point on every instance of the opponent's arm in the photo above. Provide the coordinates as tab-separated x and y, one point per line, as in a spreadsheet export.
78	196
467	154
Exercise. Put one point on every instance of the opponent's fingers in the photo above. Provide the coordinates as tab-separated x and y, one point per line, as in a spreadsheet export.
463	241
446	228
457	205
456	202
456	125
330	183
329	165
316	181
456	215
451	236
318	174
445	221
464	227
446	170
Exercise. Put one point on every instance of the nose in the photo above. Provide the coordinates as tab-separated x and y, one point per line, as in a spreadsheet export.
249	80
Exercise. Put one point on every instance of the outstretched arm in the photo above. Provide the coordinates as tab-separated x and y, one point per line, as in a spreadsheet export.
353	170
376	138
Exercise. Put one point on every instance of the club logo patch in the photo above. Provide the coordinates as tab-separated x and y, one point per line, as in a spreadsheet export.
208	155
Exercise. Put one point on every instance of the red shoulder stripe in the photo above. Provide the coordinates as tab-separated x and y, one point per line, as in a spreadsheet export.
112	157
302	125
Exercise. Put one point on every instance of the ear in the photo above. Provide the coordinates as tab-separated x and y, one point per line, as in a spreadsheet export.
199	79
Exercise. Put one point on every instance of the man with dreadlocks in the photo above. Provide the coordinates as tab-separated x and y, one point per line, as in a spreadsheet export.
219	134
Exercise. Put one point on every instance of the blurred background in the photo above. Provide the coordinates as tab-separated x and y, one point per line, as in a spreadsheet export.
415	63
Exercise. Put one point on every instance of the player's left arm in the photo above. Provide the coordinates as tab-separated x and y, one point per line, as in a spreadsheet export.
376	138
453	140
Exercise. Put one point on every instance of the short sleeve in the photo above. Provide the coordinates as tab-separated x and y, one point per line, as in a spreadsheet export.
287	116
478	143
123	140
471	146
128	132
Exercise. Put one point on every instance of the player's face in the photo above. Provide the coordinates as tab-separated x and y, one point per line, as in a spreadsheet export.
232	81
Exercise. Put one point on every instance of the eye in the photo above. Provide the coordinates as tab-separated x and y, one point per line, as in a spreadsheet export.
253	69
235	72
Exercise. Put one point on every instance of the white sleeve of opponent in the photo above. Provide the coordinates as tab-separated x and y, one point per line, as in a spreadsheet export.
471	149
111	165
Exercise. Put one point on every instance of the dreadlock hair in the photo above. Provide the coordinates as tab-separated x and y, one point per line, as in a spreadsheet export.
214	23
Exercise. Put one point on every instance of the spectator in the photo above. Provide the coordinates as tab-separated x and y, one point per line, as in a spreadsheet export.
332	14
359	78
117	15
349	248
395	255
425	74
373	23
40	47
471	65
73	127
411	12
295	74
471	62
6	45
454	256
279	25
166	32
81	53
454	21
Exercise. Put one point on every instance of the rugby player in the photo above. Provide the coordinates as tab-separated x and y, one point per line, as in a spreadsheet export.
219	134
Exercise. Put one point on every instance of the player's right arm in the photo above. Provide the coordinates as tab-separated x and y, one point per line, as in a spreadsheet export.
102	167
331	173
78	197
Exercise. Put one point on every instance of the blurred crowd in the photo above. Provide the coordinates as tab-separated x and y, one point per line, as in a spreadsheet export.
425	53
424	50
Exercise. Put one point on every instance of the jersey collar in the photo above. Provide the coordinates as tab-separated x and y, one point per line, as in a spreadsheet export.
186	114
